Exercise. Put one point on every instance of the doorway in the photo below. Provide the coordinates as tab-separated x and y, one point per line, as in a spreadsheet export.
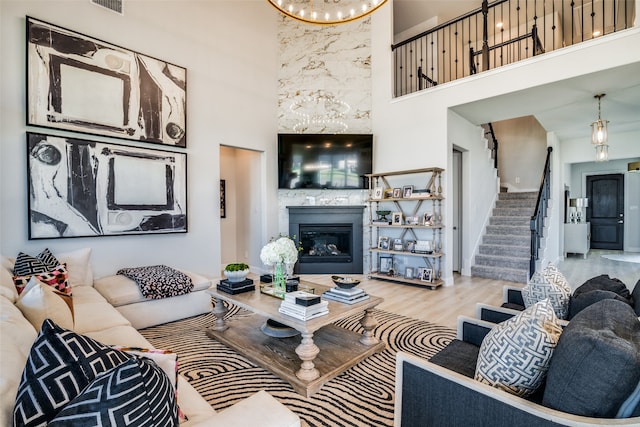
606	211
241	170
456	227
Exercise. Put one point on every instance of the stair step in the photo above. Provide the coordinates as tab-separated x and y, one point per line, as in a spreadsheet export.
516	203
523	251
507	240
510	230
522	212
509	220
508	274
521	263
519	195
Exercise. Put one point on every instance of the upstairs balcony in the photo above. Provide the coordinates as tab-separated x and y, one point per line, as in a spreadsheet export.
500	33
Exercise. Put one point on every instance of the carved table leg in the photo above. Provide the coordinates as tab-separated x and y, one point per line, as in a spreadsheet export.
368	322
307	351
219	311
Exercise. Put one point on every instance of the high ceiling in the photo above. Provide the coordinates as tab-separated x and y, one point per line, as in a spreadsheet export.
566	108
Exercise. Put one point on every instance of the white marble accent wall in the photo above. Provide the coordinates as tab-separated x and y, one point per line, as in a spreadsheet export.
335	60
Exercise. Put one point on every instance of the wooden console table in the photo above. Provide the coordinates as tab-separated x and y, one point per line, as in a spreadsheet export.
324	351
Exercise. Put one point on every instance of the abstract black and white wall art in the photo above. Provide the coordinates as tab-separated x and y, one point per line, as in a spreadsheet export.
80	188
78	83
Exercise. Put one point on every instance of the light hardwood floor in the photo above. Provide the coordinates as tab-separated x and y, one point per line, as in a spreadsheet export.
444	304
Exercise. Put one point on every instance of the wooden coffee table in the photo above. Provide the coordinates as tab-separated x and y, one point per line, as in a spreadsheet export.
324	351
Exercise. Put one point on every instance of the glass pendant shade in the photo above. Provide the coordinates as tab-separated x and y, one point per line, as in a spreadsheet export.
599	132
326	12
602	153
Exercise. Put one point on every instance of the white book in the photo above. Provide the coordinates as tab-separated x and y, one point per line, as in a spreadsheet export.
348	292
334	297
342	296
299	316
304	310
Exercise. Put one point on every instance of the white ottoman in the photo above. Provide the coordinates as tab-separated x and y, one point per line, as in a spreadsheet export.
124	294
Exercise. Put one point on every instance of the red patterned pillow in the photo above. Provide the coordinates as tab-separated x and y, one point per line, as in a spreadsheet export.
58	278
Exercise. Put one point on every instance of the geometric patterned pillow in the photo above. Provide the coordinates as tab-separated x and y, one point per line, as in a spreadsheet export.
136	392
58	277
61	364
554	275
515	355
26	265
541	287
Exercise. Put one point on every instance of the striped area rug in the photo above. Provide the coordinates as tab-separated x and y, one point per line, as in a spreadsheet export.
360	396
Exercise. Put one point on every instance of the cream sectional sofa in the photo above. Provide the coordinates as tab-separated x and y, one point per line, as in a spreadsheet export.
96	318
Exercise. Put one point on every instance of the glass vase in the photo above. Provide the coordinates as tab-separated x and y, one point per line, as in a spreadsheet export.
279	279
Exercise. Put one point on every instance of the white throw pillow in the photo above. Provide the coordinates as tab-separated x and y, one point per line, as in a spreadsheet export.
515	355
7	287
39	301
78	266
541	287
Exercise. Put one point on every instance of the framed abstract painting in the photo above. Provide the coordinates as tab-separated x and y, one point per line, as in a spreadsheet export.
82	84
80	188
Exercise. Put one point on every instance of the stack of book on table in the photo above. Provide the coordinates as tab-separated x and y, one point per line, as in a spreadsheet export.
303	305
347	296
233	288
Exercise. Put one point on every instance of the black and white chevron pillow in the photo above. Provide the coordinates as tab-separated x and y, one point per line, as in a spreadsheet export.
60	365
515	355
137	392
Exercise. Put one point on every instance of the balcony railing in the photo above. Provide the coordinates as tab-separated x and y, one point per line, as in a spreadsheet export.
500	33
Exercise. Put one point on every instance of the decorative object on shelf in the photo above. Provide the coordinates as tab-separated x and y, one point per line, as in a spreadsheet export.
576	208
377	193
633	167
427	219
407	190
282	254
326	12
410	245
82	188
600	134
408	273
426	274
345	282
382	217
423	247
397	193
236	272
82	84
397	245
396	218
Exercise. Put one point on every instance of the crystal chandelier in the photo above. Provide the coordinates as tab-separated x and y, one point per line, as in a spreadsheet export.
326	12
600	134
319	112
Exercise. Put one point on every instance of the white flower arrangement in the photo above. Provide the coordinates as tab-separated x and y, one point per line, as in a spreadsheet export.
282	250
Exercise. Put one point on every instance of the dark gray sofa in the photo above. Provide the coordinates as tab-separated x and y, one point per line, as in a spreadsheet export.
428	394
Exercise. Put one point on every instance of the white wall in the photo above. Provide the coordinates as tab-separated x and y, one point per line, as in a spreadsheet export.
228	49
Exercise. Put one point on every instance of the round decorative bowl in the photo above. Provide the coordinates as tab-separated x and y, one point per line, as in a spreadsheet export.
236	276
345	282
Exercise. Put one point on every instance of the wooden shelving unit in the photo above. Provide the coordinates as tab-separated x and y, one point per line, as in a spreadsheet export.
429	201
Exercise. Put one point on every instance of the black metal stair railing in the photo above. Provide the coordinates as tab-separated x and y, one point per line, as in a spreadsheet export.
500	33
540	212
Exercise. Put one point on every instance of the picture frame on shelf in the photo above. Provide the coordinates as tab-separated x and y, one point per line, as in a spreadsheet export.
383	243
386	264
413	220
426	275
409	273
79	83
406	191
397	193
410	245
377	193
427	218
396	218
397	245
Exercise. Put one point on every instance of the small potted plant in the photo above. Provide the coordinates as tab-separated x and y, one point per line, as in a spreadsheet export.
236	272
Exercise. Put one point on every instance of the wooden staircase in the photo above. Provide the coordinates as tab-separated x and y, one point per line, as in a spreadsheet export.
506	246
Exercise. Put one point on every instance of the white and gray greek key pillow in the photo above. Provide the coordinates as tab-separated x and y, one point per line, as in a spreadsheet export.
515	354
542	286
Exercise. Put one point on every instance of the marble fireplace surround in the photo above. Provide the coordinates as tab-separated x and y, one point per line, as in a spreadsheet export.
333	215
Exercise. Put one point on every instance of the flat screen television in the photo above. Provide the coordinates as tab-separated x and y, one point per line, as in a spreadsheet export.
324	161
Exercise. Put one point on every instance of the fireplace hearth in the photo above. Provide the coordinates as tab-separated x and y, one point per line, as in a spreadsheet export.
330	236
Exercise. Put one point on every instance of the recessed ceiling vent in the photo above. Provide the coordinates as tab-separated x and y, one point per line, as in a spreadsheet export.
114	5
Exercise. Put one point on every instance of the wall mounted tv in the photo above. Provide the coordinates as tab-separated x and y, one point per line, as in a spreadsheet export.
324	161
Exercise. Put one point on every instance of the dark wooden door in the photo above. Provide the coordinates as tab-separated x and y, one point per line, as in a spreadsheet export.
606	210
